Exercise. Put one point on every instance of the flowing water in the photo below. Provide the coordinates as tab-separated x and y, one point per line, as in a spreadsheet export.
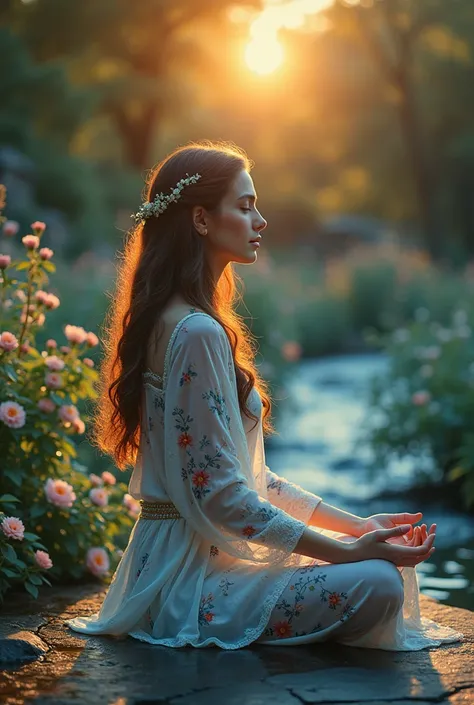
315	447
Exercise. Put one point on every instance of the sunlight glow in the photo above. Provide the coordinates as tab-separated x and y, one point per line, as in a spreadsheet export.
264	53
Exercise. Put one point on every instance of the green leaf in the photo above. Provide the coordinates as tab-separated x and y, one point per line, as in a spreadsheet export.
22	265
49	266
9	553
45	580
9	573
35	579
15	476
10	372
32	589
30	536
37	511
9	498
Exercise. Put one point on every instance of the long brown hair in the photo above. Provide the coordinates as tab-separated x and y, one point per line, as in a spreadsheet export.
162	257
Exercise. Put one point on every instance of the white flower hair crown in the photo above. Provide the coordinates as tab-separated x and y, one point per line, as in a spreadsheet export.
161	202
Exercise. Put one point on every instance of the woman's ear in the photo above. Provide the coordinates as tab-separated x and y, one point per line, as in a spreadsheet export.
199	219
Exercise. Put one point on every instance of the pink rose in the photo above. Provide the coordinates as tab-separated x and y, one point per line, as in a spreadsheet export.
96	480
10	228
75	334
92	339
41	296
421	398
68	413
59	493
5	261
43	560
12	414
108	478
31	242
13	528
87	361
51	343
97	561
46	253
54	363
8	341
99	496
53	380
133	505
47	405
65	349
38	227
52	302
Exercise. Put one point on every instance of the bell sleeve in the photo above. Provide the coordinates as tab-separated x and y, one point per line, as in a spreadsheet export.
208	471
290	497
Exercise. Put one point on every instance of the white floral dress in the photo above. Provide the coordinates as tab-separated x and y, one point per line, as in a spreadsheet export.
215	575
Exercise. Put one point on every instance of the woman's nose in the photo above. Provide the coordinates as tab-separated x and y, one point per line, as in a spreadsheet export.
262	224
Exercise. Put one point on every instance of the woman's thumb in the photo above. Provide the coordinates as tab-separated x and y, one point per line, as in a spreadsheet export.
396	531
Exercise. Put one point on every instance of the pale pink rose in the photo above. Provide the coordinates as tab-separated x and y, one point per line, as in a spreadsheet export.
46	253
99	496
421	398
97	561
54	363
5	261
10	228
31	242
20	294
13	528
92	339
65	349
38	227
43	560
79	426
108	478
68	413
26	319
52	302
59	493
53	380
25	347
51	343
47	405
96	480
133	505
87	361
8	341
75	334
41	296
40	319
291	350
12	414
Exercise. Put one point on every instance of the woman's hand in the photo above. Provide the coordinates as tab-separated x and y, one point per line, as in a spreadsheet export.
414	537
376	544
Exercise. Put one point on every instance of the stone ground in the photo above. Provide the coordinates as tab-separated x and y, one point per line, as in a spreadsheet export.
45	663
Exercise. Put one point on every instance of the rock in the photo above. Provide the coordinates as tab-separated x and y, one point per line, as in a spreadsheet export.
21	647
75	669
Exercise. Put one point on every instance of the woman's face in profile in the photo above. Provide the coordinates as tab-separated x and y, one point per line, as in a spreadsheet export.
237	221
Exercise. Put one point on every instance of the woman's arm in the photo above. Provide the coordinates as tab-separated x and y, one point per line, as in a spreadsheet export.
328	517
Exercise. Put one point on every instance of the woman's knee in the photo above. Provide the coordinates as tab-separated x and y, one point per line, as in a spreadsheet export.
387	583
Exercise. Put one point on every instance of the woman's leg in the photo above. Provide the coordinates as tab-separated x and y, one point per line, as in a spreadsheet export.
336	601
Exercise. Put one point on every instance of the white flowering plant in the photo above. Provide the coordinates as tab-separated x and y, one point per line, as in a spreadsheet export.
56	519
423	405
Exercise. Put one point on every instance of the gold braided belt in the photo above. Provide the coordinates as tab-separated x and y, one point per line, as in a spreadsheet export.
158	510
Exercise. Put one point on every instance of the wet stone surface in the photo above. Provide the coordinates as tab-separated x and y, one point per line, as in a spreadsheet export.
70	668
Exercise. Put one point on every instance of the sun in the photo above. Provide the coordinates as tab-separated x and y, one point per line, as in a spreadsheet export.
264	55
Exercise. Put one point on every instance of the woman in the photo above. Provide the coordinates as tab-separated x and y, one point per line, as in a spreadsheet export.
223	552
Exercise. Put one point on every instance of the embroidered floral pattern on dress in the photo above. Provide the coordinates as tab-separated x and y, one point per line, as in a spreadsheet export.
205	614
333	598
144	560
224	586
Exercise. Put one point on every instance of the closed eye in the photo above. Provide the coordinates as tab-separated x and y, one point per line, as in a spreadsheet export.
246	210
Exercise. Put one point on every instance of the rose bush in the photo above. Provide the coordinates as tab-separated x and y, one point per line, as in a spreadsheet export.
424	404
55	518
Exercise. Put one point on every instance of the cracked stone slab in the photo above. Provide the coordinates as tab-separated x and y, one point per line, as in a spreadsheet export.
21	647
95	670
